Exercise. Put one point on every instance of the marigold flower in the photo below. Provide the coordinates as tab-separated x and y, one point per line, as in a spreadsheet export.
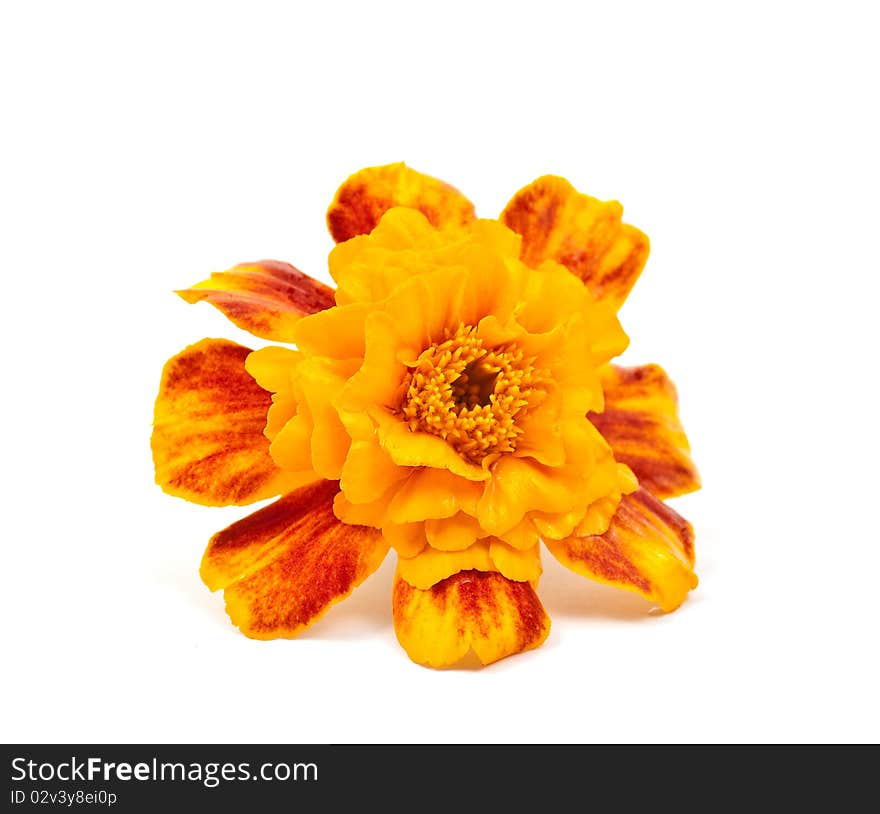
456	404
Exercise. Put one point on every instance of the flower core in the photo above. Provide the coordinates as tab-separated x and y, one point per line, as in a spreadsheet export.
470	395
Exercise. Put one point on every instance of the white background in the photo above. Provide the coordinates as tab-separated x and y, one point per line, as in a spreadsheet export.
146	145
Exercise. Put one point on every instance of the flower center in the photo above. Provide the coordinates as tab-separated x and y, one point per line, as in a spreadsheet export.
471	396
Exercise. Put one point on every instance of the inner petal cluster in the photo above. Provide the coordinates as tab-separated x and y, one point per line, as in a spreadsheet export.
472	396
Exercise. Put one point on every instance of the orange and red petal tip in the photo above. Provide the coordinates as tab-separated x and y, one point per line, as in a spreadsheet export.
472	610
640	421
208	443
285	565
584	234
648	549
365	196
266	298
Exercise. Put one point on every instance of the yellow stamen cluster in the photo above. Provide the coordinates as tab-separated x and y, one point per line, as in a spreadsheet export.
471	396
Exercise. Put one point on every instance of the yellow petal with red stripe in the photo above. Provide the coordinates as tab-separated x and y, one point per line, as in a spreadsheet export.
641	423
266	298
483	611
648	549
584	234
365	196
284	566
208	442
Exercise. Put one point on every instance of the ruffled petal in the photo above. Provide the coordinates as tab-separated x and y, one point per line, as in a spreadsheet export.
285	565
273	367
407	539
523	535
432	494
648	549
337	332
379	381
208	442
266	298
365	196
641	423
519	485
373	514
421	449
452	533
522	565
582	233
321	380
486	612
368	472
432	566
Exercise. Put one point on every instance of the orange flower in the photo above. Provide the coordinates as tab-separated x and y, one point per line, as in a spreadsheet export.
456	404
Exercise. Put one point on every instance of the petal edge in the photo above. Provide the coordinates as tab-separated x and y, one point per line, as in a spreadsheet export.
648	549
640	422
285	565
483	611
266	298
208	443
365	196
584	234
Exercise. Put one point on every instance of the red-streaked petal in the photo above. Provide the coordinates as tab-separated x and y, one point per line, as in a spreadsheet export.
367	195
284	566
208	442
641	423
648	549
266	298
483	611
584	234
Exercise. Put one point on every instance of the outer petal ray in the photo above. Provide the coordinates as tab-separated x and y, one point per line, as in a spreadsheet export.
582	233
478	610
283	566
266	298
208	442
365	196
648	549
641	423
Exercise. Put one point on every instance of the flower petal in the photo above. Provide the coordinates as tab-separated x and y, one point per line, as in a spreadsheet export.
208	442
421	449
641	423
648	549
519	485
273	368
431	565
432	494
582	233
337	332
452	533
483	611
266	298
368	472
283	566
523	565
407	539
365	196
523	535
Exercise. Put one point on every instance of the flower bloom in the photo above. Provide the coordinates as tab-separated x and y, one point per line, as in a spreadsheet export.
453	401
